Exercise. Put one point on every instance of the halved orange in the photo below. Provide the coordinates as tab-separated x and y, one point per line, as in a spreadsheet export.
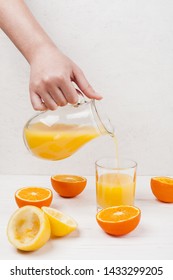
68	185
162	188
119	220
35	196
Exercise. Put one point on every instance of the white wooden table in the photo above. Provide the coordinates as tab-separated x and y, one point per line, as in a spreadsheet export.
152	239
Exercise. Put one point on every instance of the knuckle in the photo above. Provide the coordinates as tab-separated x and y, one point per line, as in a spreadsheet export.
42	83
47	81
36	85
61	79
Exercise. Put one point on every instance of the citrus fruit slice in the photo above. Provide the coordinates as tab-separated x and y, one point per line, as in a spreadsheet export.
28	228
35	196
68	185
118	220
61	224
162	188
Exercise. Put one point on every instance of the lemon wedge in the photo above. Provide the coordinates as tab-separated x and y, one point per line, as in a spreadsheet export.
28	228
61	224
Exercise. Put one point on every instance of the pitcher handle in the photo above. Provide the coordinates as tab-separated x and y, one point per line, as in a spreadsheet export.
81	99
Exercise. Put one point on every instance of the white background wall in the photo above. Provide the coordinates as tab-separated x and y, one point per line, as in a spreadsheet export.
125	48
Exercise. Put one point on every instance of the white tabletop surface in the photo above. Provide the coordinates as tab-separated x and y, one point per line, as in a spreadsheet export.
152	239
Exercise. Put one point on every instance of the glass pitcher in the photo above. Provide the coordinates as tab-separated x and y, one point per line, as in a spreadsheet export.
55	135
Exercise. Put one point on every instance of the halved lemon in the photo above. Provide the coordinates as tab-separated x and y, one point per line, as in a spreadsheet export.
61	224
28	228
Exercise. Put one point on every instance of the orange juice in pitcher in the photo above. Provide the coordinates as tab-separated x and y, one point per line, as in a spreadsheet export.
55	135
58	141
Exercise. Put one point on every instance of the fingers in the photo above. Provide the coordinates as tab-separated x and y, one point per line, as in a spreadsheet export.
53	94
58	97
49	101
36	102
58	91
84	85
44	100
69	92
41	100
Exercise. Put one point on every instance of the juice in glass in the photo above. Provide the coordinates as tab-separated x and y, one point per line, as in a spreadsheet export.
115	182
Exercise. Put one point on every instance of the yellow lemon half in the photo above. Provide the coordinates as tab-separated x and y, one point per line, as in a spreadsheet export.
28	228
61	224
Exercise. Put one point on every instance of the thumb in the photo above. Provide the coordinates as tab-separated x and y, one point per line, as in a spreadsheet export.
84	85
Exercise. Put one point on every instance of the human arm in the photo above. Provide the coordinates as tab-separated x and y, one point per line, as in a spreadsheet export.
51	72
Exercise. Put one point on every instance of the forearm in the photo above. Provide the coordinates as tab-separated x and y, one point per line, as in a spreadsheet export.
17	21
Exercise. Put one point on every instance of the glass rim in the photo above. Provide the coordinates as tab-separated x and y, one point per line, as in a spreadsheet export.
133	163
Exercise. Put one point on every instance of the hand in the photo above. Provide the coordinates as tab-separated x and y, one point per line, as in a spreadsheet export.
52	74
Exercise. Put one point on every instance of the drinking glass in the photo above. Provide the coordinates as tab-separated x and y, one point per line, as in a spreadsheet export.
115	182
